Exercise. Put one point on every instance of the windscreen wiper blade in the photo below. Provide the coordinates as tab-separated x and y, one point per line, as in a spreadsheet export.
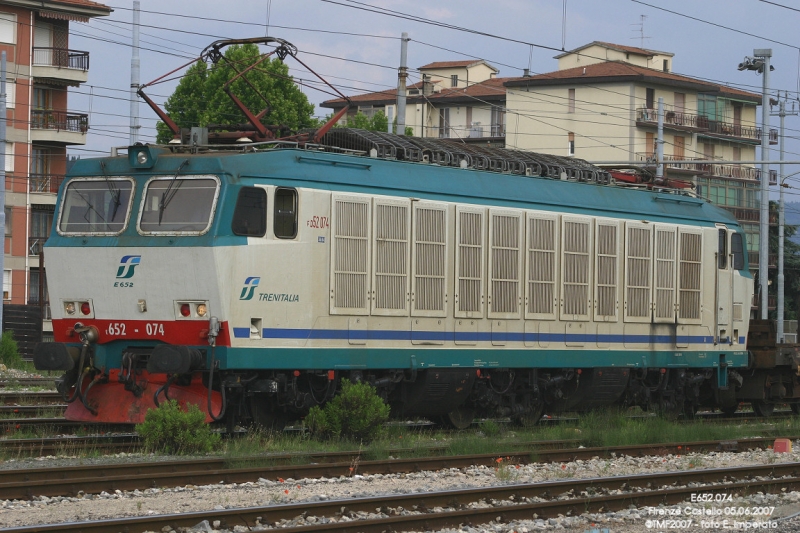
169	194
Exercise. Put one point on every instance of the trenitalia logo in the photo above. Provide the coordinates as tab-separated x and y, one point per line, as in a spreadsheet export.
126	266
249	288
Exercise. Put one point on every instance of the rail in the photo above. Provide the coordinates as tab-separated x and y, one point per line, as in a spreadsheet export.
60	57
47	119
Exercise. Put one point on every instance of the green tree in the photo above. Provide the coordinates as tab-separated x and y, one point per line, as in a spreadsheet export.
199	99
791	268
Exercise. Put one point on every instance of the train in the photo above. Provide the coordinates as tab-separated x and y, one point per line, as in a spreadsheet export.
460	280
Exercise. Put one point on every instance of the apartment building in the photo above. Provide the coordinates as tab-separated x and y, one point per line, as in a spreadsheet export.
41	68
600	105
454	99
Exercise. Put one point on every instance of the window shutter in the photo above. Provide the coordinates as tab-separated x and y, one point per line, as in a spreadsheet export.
638	271
690	277
542	266
470	236
664	274
576	246
350	228
429	289
505	263
390	281
607	271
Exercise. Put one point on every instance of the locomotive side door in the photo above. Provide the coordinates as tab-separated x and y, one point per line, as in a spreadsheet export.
724	288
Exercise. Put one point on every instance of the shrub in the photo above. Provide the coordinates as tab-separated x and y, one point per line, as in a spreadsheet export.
357	413
490	428
170	429
9	354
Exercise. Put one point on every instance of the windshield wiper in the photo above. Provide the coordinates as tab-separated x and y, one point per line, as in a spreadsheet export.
169	194
115	192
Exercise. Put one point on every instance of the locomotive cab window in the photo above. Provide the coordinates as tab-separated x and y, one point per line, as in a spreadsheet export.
737	249
250	215
285	221
97	206
178	205
722	256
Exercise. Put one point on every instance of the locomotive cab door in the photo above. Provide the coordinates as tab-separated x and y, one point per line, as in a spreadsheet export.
724	288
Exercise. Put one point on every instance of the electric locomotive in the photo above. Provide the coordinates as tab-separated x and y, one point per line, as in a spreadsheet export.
250	279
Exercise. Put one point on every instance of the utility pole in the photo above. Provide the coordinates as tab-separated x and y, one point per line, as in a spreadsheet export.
660	141
782	114
761	65
3	147
402	76
134	135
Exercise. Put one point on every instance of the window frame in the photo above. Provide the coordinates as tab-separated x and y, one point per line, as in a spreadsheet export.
738	262
61	205
266	211
275	213
193	233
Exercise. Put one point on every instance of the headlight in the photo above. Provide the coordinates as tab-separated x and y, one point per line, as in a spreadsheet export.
201	310
69	308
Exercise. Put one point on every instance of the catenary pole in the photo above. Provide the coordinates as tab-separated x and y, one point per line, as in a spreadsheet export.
3	147
763	245
402	76
135	67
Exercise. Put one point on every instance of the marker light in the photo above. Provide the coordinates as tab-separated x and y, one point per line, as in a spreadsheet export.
201	310
69	308
186	310
141	158
86	309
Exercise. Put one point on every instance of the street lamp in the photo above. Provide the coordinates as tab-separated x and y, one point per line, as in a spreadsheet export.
760	64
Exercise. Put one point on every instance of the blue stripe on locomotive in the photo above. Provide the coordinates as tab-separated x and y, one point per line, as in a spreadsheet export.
358	174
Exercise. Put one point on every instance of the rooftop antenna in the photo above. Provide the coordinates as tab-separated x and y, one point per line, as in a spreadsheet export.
642	36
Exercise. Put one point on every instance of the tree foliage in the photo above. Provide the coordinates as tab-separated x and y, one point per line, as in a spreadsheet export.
791	268
200	101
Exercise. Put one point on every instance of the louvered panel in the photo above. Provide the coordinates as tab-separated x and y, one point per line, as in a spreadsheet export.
470	234
350	279
664	274
607	271
541	296
576	245
391	256
429	259
690	275
638	272
505	260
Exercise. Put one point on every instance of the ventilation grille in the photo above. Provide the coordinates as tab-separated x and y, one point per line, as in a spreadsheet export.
665	274
541	265
576	268
505	263
429	252
470	262
391	257
638	278
689	276
607	260
351	261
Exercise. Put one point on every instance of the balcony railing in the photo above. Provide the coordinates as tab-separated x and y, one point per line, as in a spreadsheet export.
47	119
35	245
683	120
475	131
668	162
60	57
44	182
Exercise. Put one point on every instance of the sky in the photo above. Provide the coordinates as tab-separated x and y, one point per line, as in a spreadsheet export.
355	45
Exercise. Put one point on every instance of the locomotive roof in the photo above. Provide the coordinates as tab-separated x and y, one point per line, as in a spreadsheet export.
383	164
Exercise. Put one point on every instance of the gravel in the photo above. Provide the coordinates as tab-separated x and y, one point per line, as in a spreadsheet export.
116	504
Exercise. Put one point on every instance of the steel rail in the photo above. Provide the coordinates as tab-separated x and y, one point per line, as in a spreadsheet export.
637	491
61	481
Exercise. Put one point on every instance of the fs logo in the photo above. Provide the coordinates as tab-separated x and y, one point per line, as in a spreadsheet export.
249	288
126	266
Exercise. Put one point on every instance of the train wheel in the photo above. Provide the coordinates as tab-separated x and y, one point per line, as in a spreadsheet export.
529	418
460	418
265	415
763	409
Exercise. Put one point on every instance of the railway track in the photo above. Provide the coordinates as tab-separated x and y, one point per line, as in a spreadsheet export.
30	398
49	383
68	481
452	508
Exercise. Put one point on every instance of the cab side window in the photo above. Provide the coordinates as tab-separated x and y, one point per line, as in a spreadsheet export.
250	215
285	221
737	249
722	256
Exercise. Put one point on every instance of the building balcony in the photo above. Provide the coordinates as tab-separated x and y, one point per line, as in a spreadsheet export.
690	168
682	121
68	66
36	245
476	131
58	127
45	183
